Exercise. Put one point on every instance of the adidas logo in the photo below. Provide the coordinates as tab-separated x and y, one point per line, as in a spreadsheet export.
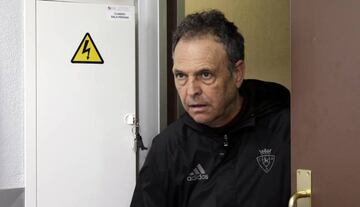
198	173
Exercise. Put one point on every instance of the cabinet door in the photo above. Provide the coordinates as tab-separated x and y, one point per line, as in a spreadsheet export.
85	154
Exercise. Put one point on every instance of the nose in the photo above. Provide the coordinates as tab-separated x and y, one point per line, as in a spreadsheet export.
193	87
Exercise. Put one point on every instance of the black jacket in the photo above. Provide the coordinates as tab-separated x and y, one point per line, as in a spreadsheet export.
245	164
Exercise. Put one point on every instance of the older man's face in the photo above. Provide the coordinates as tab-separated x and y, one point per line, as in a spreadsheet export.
208	90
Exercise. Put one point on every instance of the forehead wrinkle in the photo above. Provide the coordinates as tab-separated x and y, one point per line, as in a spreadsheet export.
195	56
195	65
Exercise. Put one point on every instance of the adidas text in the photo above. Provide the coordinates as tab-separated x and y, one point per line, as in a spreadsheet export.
197	177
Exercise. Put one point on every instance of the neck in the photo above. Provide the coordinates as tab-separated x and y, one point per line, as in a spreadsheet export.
233	110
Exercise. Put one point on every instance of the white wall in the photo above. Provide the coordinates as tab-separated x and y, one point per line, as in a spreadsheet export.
11	94
11	104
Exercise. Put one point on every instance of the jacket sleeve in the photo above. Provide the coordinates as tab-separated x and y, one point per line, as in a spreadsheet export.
151	185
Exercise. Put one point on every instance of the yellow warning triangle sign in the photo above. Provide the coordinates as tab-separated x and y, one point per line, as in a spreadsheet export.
87	52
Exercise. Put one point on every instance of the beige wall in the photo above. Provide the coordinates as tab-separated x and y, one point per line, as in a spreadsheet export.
265	25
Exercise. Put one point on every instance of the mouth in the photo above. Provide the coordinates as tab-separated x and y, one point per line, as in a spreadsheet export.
197	107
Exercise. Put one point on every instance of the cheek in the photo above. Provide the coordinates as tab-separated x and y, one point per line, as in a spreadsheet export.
181	92
219	96
213	95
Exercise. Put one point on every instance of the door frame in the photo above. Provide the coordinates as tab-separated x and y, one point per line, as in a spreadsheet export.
30	131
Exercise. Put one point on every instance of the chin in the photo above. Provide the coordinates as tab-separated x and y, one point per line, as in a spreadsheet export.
201	119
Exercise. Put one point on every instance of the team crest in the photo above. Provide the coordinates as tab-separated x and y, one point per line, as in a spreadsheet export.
266	160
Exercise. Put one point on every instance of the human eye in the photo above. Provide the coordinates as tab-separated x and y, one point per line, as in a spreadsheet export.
206	75
180	76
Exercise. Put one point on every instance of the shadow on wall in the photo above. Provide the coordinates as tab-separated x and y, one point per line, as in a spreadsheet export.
12	197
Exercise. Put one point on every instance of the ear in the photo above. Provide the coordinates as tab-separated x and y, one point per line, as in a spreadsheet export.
239	72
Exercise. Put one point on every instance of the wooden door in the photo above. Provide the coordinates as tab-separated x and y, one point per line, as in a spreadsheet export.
326	98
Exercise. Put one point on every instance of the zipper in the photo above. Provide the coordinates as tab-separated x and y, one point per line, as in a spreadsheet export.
226	141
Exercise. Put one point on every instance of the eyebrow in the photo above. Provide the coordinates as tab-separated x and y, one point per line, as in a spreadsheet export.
204	70
197	73
177	71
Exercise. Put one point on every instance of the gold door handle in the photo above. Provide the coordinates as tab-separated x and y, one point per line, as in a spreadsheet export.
297	195
303	189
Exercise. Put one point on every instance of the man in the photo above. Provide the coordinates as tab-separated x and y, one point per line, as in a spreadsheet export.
232	146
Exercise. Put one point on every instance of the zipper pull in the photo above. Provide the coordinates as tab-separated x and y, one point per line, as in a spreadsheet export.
226	141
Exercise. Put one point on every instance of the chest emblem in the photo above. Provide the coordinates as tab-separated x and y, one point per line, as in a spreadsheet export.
198	173
265	160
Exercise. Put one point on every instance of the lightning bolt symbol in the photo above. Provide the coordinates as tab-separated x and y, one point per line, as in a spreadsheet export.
86	49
